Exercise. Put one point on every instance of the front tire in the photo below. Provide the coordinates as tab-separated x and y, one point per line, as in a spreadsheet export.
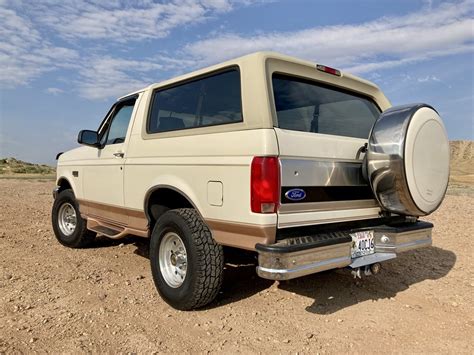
186	263
68	225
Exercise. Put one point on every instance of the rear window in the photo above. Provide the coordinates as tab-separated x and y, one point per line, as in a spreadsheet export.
308	106
210	101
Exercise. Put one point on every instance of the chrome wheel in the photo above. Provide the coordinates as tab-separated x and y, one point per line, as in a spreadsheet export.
173	259
67	219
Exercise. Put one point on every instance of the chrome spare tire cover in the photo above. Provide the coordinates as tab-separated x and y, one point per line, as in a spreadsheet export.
408	160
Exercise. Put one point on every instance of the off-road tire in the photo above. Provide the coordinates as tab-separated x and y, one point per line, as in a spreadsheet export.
81	237
205	260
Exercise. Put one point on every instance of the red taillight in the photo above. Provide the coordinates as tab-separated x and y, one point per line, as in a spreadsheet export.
328	70
265	184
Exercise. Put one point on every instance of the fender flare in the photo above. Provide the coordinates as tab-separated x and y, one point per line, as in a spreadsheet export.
170	187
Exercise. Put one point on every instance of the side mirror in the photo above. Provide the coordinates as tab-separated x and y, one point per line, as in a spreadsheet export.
88	137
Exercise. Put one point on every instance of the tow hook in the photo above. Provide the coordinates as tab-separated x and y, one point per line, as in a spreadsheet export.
368	270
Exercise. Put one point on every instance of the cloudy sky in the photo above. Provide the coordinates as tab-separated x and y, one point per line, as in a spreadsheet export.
63	63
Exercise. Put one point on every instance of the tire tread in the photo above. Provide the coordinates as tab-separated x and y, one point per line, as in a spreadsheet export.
208	268
210	264
84	237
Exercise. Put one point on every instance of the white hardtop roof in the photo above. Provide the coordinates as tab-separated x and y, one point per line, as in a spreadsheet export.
256	56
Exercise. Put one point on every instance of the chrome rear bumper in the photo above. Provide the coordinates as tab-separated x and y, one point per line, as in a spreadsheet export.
300	256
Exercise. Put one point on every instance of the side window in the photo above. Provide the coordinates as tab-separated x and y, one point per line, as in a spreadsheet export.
117	128
210	101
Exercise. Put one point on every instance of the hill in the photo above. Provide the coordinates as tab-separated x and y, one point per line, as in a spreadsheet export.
12	166
462	162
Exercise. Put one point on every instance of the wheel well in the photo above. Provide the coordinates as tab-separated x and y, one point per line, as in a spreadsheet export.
64	185
162	200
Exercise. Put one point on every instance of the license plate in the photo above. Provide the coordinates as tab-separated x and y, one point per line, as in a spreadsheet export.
362	243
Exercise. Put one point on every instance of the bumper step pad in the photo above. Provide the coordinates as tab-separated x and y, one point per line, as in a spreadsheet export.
305	242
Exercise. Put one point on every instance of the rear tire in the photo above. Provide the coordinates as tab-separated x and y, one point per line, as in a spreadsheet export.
68	225
186	263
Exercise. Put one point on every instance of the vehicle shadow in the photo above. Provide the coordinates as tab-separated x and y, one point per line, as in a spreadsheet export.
240	279
331	290
336	290
141	244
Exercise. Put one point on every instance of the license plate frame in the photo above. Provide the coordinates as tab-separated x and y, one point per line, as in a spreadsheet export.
363	243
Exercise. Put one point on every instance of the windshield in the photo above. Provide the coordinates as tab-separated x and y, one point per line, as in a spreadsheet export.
309	106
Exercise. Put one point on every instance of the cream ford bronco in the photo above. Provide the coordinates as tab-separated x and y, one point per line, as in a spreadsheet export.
309	167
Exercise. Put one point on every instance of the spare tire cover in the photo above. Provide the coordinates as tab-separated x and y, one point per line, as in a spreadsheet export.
408	160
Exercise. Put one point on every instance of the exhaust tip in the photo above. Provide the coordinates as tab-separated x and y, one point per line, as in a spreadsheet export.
375	268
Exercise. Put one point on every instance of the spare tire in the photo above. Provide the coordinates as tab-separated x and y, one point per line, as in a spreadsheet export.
408	160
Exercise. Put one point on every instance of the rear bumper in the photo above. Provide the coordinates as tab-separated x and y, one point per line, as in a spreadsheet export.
304	255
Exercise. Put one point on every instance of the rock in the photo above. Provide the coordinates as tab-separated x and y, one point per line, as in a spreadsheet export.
330	298
309	335
121	245
32	340
286	341
102	296
8	276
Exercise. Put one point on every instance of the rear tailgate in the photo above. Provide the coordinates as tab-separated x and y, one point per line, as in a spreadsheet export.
326	170
320	128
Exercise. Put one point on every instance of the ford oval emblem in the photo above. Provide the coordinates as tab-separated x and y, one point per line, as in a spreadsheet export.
295	194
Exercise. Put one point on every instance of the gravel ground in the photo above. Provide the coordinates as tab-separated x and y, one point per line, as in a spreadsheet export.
102	299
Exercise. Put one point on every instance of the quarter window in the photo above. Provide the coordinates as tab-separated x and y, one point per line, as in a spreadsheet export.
213	100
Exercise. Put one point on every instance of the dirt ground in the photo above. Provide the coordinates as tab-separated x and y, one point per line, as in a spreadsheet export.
102	299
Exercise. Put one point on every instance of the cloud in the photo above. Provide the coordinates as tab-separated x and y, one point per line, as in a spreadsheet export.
109	77
24	53
106	77
125	21
428	78
91	28
379	44
367	47
409	59
54	91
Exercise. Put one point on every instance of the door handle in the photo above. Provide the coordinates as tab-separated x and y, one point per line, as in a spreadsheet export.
119	154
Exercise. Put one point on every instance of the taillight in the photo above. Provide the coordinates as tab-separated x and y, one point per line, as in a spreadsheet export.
265	184
328	70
